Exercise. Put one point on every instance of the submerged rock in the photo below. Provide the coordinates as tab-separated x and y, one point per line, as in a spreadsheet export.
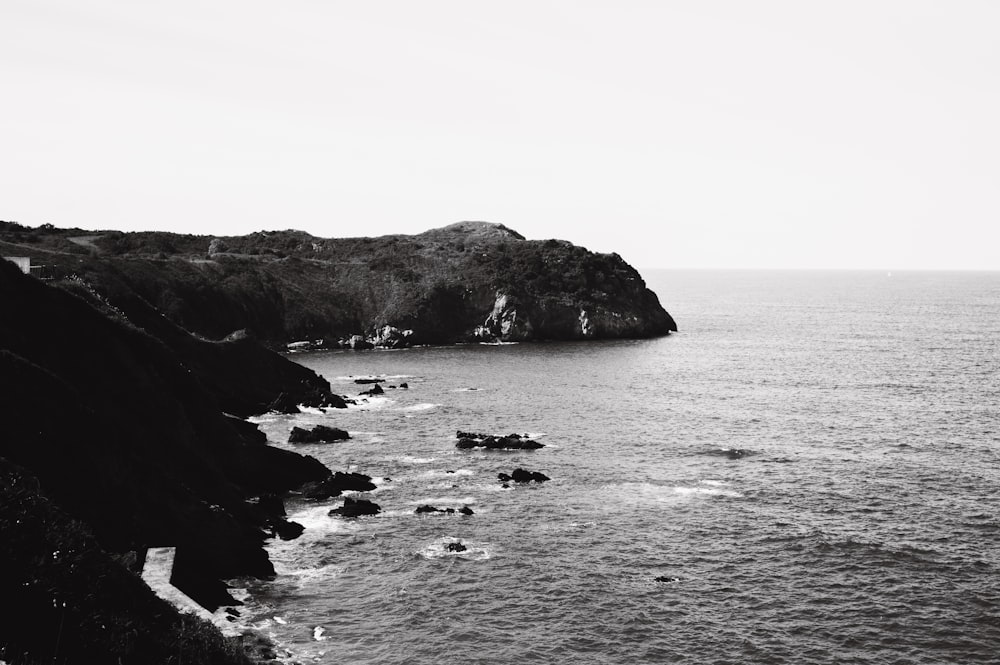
423	510
318	434
733	453
455	547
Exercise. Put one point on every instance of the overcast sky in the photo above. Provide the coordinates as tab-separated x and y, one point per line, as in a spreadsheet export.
679	134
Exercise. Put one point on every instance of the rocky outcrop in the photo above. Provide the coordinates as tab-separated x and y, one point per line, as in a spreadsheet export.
468	440
318	434
425	509
335	485
467	282
523	476
356	508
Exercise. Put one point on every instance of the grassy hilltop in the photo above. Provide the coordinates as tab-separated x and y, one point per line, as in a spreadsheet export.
471	281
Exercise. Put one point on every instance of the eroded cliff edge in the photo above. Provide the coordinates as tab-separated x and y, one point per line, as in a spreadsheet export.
471	281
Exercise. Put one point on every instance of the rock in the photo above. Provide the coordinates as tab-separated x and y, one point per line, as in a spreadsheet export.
390	337
504	478
359	343
284	403
468	440
367	381
422	510
732	453
267	506
523	476
249	431
356	508
375	390
665	578
335	485
287	530
456	547
404	386
318	434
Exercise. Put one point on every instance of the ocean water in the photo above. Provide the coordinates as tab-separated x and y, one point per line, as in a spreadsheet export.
809	472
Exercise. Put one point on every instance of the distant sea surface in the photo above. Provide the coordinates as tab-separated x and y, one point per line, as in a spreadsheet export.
809	472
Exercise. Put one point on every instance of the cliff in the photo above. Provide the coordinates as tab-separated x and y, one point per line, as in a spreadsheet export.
471	281
120	425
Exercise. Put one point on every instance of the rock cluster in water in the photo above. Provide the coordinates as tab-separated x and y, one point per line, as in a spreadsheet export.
318	434
468	440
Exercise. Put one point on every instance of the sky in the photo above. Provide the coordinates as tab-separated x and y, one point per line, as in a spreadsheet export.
680	134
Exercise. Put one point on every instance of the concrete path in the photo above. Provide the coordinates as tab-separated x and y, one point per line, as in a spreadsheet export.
156	573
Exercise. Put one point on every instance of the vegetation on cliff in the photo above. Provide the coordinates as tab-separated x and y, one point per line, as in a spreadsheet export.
471	281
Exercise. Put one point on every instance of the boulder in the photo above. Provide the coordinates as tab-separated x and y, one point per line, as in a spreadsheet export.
523	476
358	343
318	434
374	390
356	508
367	381
286	530
455	547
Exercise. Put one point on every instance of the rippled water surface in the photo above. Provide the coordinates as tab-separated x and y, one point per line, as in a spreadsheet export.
808	473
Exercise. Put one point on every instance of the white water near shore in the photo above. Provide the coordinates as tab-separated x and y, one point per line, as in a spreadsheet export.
807	473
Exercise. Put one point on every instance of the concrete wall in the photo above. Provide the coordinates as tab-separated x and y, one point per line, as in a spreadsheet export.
23	262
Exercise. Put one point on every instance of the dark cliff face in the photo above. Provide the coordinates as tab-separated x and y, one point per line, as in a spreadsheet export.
471	281
124	431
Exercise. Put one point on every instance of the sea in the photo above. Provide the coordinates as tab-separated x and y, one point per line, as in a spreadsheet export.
807	472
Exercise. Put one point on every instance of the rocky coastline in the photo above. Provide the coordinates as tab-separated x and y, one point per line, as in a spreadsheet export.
467	282
128	377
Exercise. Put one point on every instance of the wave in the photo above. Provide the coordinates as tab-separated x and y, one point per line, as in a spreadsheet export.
438	549
444	500
419	407
370	403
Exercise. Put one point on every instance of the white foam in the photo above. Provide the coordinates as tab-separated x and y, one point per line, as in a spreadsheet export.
318	634
436	473
438	549
689	491
407	459
420	407
371	377
714	483
369	403
455	500
466	390
313	410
